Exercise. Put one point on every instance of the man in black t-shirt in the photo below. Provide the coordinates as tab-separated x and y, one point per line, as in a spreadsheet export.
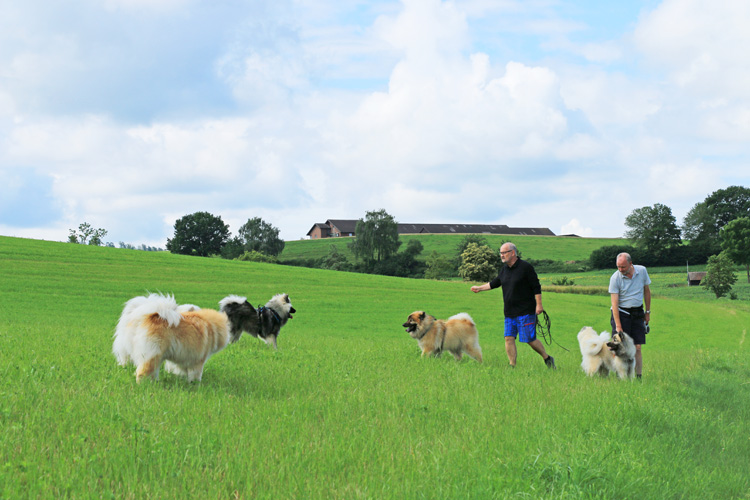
522	297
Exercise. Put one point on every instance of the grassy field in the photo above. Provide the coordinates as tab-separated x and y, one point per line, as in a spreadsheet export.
536	247
346	408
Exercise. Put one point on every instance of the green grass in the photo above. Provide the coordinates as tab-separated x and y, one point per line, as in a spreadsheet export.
667	282
346	408
537	247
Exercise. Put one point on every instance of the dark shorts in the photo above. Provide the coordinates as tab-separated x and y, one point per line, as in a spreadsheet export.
636	328
522	326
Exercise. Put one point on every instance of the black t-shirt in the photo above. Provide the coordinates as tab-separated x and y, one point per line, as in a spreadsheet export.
520	284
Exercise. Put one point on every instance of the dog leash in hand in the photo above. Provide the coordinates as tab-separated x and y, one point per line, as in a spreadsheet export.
544	329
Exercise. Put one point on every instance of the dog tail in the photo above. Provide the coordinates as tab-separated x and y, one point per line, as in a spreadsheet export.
243	317
138	308
591	343
463	316
134	313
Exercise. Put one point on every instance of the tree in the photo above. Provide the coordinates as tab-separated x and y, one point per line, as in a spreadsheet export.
604	257
719	275
465	242
376	237
87	234
438	267
200	234
654	228
735	240
233	248
702	223
478	263
260	236
335	260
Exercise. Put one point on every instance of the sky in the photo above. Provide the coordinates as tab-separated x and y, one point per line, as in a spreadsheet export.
569	115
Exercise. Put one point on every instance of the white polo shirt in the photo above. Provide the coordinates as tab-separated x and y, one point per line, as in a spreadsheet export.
630	290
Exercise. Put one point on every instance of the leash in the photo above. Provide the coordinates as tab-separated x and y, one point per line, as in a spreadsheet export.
544	329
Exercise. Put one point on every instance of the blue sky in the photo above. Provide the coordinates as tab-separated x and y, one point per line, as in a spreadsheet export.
129	114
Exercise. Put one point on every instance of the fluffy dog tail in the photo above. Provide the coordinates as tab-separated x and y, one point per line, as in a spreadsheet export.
464	316
591	343
136	310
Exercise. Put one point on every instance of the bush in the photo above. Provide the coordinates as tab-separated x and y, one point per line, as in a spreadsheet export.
335	260
605	257
478	263
557	266
564	281
719	275
439	267
254	256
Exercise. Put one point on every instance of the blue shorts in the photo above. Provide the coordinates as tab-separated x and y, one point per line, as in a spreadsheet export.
522	326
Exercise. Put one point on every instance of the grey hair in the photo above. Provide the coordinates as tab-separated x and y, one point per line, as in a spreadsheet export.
511	246
626	255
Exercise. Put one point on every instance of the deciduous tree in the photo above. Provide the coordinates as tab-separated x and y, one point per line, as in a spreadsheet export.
735	240
702	223
87	234
654	228
719	275
376	237
201	234
478	263
260	236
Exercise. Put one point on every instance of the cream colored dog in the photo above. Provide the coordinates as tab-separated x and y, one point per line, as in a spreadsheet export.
602	355
154	329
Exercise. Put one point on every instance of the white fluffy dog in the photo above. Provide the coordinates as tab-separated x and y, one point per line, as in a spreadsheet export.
154	328
602	355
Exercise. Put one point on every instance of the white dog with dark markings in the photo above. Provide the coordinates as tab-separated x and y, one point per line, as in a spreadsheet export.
602	354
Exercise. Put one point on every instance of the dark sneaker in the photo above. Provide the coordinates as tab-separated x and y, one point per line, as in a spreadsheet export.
550	362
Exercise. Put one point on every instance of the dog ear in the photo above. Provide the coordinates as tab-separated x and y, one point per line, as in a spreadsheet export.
286	298
422	315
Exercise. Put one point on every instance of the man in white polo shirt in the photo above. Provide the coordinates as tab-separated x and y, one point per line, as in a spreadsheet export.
629	291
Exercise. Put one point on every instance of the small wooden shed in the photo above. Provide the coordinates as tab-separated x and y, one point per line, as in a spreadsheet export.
694	279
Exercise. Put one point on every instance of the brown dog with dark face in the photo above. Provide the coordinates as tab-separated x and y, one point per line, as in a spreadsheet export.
457	335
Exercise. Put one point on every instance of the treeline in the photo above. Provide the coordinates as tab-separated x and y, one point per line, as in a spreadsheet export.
718	223
86	234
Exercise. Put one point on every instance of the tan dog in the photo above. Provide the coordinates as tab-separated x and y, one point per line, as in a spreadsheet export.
457	334
155	329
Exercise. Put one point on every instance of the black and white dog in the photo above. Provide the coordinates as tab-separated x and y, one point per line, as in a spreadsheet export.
272	317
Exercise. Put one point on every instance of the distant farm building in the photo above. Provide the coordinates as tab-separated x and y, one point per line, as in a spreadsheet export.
337	228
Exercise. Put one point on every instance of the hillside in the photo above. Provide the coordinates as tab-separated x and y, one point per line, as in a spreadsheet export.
557	248
346	408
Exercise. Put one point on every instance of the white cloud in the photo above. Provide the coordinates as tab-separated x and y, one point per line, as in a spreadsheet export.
130	112
575	227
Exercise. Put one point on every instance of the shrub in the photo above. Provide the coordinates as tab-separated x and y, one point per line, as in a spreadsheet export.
604	257
719	275
254	256
478	263
439	267
564	281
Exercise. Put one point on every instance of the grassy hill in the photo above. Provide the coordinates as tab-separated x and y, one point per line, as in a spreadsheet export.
556	248
346	408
